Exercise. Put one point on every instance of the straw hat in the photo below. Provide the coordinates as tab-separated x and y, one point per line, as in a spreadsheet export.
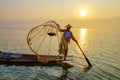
68	26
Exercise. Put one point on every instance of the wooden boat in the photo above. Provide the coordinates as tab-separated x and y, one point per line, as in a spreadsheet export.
31	60
17	57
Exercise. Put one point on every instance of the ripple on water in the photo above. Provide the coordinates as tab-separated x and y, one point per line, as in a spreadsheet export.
29	73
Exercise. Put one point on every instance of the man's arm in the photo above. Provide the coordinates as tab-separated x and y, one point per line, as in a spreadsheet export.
62	30
73	38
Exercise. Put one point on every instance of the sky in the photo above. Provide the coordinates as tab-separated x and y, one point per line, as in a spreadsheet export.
20	10
58	9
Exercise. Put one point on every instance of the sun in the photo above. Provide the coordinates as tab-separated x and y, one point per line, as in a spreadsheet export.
83	13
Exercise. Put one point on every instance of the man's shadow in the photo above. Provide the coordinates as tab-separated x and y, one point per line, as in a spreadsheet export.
64	75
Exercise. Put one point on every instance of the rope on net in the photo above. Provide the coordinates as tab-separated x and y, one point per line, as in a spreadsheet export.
49	28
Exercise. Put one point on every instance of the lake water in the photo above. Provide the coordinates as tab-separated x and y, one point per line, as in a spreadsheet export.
101	46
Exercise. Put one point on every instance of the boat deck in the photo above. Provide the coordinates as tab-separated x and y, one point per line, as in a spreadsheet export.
33	58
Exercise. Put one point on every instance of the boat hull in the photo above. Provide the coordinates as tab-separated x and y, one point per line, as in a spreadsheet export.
31	60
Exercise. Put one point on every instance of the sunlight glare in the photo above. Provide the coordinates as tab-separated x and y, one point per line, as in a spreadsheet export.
83	36
83	13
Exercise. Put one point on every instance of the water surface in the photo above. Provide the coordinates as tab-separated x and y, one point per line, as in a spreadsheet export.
101	46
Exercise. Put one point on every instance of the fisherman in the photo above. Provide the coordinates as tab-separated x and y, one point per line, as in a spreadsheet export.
65	40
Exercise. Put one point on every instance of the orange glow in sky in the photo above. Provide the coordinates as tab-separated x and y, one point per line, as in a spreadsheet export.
58	9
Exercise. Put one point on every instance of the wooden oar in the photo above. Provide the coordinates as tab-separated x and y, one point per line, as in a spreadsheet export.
84	56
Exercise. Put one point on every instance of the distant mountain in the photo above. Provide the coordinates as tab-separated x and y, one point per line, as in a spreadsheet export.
20	24
89	23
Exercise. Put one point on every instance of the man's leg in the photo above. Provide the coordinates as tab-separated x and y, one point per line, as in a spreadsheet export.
60	49
65	54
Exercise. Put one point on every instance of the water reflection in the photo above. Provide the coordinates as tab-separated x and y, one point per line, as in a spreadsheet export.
83	33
